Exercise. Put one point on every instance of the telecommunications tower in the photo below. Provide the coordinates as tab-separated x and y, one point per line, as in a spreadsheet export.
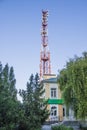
45	67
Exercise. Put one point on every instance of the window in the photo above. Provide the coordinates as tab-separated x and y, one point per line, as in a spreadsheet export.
53	93
53	111
63	111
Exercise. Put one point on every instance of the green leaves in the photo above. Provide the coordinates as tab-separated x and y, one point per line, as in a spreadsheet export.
61	127
34	105
8	98
29	114
73	83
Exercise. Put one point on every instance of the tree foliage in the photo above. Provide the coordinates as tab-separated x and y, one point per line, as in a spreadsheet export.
34	105
8	98
29	114
73	83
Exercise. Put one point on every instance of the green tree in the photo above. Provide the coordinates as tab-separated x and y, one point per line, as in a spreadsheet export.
35	107
73	83
9	105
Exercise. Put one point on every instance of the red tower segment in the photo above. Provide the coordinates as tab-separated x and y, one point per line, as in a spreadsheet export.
45	67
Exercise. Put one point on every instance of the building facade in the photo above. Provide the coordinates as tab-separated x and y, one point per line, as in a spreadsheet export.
53	95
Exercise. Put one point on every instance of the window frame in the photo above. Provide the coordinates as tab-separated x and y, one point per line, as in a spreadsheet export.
53	92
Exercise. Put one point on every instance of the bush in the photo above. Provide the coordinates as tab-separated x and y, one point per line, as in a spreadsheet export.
61	127
2	128
84	128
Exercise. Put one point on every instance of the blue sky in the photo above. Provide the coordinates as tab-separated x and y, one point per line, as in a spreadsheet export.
20	39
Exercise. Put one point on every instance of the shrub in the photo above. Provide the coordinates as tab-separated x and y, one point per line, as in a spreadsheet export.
84	128
2	128
61	127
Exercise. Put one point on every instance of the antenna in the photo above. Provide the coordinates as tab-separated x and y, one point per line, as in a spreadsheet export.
45	67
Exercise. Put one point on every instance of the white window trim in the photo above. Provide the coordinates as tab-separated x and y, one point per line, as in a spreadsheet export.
56	93
52	117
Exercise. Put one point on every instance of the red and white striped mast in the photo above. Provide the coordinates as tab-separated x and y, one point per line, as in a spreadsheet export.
45	67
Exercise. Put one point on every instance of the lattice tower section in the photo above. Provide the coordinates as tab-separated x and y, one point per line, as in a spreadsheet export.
45	67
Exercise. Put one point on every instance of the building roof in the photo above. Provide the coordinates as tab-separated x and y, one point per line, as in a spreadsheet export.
50	80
